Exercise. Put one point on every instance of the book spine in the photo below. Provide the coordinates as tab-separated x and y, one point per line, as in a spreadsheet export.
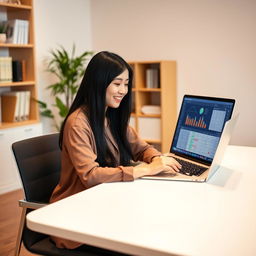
17	71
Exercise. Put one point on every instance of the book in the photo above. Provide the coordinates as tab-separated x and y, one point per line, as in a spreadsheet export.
27	104
15	106
17	71
17	31
26	32
5	69
22	103
23	63
10	106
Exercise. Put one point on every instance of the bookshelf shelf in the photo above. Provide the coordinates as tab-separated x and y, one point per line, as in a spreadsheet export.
145	115
156	129
149	115
22	53
23	83
6	45
13	7
141	89
149	89
5	125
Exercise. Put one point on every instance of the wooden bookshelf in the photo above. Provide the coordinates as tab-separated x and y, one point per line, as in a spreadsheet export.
26	52
156	129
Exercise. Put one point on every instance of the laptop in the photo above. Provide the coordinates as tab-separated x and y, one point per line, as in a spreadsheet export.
202	133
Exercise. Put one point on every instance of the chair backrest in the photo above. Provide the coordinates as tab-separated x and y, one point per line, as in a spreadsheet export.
38	161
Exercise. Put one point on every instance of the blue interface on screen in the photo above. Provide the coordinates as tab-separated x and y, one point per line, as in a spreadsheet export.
200	126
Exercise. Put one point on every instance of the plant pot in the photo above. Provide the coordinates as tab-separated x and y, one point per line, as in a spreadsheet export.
2	37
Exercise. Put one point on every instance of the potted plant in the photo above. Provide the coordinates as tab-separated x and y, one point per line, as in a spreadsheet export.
69	70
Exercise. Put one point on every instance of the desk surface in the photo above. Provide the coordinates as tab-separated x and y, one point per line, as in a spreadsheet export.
152	217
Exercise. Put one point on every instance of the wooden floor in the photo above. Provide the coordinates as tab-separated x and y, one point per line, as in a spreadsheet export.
9	222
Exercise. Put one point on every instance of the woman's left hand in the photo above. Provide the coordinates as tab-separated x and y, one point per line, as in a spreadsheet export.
169	161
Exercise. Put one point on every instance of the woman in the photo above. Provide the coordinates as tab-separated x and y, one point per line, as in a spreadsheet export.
97	144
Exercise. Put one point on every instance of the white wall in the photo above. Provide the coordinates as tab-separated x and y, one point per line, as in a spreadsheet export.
213	42
58	22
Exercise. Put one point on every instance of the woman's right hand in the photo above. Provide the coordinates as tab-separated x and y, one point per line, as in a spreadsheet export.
158	165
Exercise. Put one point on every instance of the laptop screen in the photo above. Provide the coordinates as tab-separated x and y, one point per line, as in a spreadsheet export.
199	127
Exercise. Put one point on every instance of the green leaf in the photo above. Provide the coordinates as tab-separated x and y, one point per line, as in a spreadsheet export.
63	110
42	104
47	113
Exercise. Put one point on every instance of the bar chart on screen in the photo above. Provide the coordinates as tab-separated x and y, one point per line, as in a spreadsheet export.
197	116
193	122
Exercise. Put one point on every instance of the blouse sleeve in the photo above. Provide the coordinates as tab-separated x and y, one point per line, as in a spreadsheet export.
140	149
80	146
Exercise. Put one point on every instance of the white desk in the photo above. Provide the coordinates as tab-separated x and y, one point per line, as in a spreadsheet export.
152	217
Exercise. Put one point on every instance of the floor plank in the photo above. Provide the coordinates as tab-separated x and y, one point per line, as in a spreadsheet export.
9	222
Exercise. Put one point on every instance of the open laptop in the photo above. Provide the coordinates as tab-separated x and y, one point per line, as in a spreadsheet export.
200	139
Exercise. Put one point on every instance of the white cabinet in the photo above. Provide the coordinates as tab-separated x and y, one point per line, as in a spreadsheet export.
9	176
149	128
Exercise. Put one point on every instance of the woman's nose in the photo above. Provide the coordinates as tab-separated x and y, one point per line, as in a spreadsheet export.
123	89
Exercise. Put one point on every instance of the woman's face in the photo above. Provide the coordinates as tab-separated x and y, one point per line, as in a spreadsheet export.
117	89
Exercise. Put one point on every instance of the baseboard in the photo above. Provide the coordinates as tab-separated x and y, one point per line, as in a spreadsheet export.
9	187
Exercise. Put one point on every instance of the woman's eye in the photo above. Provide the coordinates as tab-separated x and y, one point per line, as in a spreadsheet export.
117	84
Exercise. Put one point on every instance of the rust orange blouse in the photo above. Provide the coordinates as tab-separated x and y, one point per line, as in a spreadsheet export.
79	169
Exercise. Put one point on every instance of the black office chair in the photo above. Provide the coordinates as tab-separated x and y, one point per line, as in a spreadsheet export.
38	161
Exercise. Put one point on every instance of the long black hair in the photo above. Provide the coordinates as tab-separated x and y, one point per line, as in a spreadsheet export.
91	97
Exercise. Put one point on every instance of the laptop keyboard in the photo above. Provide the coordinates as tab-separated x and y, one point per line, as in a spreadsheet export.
190	169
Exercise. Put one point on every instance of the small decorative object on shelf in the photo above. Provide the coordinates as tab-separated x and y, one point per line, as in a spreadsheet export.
13	1
2	38
151	110
2	32
152	78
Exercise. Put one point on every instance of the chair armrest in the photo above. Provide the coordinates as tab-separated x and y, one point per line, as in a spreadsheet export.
30	205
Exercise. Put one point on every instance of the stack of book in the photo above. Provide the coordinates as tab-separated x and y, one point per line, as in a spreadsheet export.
152	78
12	71
17	31
15	106
5	69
